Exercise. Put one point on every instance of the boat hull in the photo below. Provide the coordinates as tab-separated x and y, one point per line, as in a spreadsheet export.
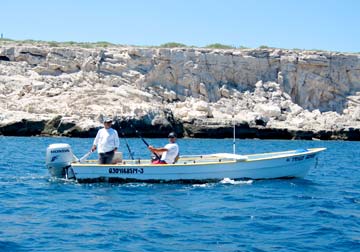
287	164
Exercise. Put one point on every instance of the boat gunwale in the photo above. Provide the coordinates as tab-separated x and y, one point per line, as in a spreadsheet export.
309	151
221	161
152	165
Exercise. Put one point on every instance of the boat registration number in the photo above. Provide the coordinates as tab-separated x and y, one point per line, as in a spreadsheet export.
127	170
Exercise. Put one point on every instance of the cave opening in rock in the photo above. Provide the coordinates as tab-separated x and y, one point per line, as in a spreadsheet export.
4	58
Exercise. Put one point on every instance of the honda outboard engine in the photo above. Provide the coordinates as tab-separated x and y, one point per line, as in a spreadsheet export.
58	159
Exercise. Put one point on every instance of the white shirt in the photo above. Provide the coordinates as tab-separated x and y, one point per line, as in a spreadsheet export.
171	153
106	140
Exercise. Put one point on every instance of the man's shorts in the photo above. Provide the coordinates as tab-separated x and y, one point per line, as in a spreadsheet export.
157	161
106	158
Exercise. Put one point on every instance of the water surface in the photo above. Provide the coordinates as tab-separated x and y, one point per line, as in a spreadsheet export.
318	213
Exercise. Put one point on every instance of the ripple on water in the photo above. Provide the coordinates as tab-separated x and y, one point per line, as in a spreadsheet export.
318	213
11	246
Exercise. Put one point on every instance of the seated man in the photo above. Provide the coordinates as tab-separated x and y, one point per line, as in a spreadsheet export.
169	153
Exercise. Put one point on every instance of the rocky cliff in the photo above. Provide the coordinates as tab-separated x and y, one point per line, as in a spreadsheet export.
267	93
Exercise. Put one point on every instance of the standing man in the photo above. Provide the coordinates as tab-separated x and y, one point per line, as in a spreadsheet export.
169	153
106	142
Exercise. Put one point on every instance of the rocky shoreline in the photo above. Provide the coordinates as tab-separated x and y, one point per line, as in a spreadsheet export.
193	130
266	93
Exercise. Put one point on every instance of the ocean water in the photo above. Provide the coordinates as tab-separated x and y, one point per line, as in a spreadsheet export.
318	213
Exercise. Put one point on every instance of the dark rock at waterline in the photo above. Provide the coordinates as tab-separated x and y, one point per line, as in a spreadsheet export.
56	126
194	129
145	128
354	134
23	128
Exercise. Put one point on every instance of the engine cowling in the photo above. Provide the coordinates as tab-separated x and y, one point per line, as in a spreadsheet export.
58	157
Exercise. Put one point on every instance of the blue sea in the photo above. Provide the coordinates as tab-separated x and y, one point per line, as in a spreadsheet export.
318	213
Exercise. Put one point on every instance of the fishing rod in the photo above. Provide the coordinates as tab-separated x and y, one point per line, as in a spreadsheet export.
83	158
146	143
126	142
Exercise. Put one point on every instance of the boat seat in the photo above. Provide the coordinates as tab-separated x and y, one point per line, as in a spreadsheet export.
117	157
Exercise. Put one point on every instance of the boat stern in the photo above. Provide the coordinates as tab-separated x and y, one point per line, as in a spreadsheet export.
58	159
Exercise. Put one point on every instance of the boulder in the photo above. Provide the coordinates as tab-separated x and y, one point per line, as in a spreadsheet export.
267	89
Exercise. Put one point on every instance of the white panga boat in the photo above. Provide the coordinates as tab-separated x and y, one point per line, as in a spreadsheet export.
193	168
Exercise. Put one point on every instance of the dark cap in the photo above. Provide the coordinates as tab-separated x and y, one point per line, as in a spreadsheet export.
107	120
171	135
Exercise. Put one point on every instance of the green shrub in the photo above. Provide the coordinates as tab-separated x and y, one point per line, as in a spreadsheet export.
53	44
29	41
264	47
86	45
70	43
104	44
172	45
219	46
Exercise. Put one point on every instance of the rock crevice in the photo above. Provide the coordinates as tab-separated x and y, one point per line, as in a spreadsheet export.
273	92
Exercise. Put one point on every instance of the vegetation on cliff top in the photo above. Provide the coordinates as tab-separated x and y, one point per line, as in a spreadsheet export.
105	44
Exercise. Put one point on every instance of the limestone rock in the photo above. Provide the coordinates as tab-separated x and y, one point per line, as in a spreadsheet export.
268	88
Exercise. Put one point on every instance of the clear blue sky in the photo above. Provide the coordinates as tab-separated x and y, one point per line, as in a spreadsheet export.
305	24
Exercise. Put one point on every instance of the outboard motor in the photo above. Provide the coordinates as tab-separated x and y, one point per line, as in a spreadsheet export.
58	159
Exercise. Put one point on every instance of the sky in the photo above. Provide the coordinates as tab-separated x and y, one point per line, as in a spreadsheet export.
332	25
